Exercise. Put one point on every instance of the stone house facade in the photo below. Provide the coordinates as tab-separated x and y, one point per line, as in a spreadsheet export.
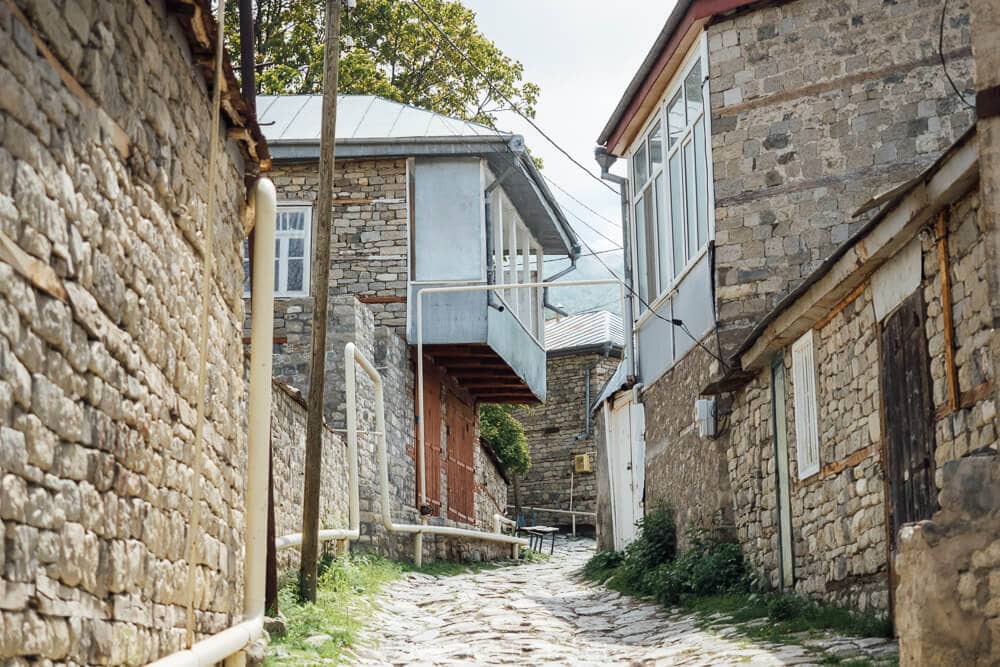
377	259
105	118
897	380
753	131
583	350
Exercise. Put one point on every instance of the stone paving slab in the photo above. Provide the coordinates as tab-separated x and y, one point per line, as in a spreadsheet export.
545	614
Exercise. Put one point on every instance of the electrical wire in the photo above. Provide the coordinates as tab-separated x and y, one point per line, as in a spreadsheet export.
505	98
944	64
586	254
669	320
616	225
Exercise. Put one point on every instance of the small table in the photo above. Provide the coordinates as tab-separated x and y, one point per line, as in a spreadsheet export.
537	534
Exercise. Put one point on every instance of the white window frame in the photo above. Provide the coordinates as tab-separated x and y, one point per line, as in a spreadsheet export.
806	405
281	238
665	285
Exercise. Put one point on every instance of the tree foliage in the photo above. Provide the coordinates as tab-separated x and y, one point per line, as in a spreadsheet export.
499	427
396	54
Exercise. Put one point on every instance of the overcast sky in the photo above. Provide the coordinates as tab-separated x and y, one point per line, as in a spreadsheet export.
582	53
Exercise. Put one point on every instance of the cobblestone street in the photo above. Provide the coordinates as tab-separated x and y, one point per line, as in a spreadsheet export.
543	613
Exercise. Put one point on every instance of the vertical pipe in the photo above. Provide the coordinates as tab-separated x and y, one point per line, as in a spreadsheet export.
259	418
951	375
572	478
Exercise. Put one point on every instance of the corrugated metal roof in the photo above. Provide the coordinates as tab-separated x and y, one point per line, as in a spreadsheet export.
297	119
584	330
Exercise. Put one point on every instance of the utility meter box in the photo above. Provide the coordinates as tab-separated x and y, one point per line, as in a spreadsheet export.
704	409
581	463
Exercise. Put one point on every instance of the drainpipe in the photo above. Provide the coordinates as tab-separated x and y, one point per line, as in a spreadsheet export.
228	644
605	160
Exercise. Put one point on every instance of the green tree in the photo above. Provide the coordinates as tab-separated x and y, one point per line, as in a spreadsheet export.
499	427
396	54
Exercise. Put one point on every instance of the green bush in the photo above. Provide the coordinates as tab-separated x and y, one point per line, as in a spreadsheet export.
655	545
602	565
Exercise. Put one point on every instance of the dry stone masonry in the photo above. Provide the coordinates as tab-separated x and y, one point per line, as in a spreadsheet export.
98	362
816	106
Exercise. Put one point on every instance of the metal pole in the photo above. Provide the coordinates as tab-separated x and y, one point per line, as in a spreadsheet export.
320	297
572	478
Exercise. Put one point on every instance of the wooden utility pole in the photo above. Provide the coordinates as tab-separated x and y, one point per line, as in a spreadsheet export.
320	297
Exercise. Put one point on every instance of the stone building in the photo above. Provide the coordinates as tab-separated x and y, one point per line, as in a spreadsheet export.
582	350
422	201
105	114
753	130
862	385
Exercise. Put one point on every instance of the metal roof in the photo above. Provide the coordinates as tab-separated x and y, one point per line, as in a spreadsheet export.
584	330
374	127
297	118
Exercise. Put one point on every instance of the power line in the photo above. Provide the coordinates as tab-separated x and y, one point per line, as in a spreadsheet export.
506	99
669	320
944	65
586	254
616	225
672	321
589	226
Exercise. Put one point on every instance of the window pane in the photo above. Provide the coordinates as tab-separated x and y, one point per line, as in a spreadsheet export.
655	147
294	275
677	212
296	247
692	91
662	233
650	219
692	203
675	118
701	179
640	251
296	220
640	167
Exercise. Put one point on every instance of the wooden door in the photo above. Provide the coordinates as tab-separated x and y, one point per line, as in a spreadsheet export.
786	565
909	415
623	475
432	442
461	465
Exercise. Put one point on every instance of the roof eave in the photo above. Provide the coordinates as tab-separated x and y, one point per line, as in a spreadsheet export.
685	16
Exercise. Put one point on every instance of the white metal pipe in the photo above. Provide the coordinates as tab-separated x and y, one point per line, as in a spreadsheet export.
233	640
418	530
555	511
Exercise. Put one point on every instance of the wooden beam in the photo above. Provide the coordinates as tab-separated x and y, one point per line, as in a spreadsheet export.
382	299
951	372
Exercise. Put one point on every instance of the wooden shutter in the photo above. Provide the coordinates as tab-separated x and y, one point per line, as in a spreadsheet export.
806	417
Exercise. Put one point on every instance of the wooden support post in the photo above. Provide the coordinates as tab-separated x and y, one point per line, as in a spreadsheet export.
320	297
951	374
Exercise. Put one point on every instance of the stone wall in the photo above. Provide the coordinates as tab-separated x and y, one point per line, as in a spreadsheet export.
553	431
491	487
815	107
948	597
839	515
684	471
369	239
973	425
103	164
288	454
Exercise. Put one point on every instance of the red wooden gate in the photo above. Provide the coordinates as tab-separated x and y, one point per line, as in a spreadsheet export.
461	464
432	441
